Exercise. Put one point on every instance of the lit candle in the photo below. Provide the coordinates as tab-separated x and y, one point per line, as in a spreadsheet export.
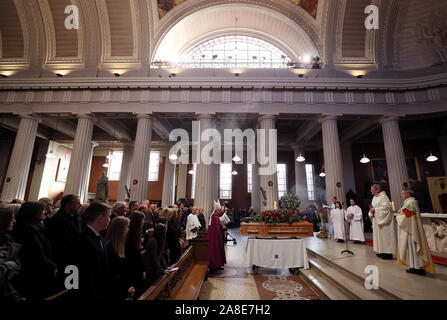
274	205
392	205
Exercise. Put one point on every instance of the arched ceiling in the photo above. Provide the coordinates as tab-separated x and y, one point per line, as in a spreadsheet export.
210	22
126	34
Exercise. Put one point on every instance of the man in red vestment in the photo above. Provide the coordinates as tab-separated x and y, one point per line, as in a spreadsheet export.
216	249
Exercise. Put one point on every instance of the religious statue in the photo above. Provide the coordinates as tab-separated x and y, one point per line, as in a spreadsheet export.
102	188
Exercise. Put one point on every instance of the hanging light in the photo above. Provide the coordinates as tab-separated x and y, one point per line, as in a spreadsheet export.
110	156
51	154
106	165
234	173
432	158
236	158
300	158
173	157
365	159
191	171
322	174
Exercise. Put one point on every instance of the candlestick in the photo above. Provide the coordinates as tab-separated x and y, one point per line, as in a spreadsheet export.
392	205
274	205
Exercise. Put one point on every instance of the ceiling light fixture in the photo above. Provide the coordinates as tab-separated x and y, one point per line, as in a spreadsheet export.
432	158
322	174
234	173
51	154
173	157
110	156
191	171
365	159
236	158
106	165
300	158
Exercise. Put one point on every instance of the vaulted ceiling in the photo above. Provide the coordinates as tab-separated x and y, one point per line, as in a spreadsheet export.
128	34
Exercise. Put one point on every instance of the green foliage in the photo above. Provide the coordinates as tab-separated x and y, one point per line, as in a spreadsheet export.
290	202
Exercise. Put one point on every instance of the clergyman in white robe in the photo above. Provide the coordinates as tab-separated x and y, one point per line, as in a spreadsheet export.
192	223
356	228
384	226
338	221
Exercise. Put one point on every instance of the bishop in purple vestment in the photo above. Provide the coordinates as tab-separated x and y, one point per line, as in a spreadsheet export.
216	249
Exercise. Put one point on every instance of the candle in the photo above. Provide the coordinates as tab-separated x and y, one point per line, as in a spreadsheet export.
392	205
274	205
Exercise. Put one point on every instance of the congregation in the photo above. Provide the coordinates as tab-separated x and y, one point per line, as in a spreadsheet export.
119	250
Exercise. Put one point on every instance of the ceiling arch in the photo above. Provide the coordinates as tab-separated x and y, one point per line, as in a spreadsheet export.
217	20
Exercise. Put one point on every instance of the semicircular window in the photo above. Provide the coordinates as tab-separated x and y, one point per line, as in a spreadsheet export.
235	51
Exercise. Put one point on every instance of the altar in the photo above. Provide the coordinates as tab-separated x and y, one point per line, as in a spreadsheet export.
278	253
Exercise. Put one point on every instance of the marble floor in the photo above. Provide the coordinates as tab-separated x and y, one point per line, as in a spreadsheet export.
236	282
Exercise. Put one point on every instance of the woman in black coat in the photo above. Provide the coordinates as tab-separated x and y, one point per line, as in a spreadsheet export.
9	259
134	256
173	235
154	261
38	273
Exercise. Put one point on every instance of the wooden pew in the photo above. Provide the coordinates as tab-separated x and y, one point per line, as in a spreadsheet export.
184	283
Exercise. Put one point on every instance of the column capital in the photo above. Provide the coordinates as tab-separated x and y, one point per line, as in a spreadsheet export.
206	116
267	117
95	144
86	116
326	117
144	116
30	116
386	119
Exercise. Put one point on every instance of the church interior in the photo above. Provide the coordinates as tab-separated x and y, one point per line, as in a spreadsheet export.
121	101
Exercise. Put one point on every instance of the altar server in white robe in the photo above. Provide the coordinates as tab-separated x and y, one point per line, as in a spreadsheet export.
338	221
355	216
384	226
192	224
413	250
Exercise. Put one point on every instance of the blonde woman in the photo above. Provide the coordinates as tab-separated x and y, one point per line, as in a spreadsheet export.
116	240
173	234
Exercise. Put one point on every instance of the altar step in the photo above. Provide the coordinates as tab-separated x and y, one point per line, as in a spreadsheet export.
333	282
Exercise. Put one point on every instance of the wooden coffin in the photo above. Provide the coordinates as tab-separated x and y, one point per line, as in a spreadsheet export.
297	229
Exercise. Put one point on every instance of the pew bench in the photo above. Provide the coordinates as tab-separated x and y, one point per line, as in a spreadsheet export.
186	282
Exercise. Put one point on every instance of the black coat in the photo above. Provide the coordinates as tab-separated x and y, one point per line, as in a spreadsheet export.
153	264
9	268
63	231
36	280
134	261
94	270
173	235
119	275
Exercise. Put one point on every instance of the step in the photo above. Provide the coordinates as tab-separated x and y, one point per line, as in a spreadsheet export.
348	284
324	287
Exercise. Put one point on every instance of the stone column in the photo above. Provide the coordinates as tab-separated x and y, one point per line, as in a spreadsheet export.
268	171
181	181
125	171
85	185
80	158
255	187
300	176
39	167
395	159
140	161
168	183
332	160
443	152
207	174
20	161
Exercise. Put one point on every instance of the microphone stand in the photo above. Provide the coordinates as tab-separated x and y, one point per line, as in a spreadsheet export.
347	240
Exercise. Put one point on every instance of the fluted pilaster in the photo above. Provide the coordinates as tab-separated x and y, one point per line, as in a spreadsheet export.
77	183
395	158
300	177
85	184
332	160
268	172
207	174
181	181
125	171
255	188
140	161
168	183
19	163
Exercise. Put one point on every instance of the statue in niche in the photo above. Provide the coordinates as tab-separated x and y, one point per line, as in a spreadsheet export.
433	32
102	188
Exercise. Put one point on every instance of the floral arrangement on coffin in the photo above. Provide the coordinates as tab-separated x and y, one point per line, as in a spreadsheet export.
290	201
277	216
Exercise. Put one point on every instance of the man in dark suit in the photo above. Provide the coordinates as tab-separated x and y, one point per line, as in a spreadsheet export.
63	231
91	254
